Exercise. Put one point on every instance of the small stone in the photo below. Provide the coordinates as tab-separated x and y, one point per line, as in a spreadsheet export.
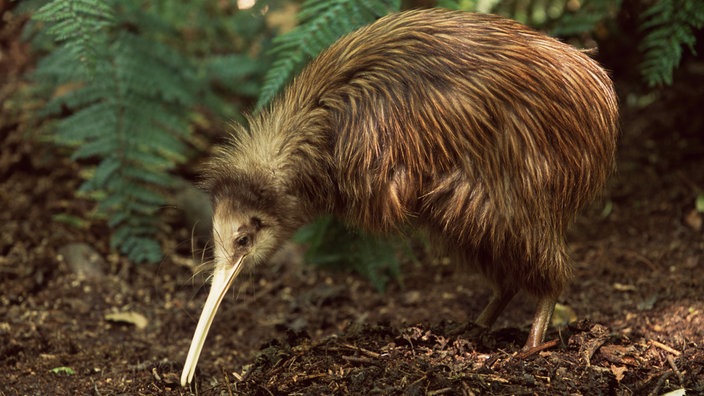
83	260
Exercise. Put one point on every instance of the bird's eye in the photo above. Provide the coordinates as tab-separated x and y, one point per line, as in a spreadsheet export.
242	241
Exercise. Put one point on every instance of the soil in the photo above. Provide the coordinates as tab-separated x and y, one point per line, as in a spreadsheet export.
75	318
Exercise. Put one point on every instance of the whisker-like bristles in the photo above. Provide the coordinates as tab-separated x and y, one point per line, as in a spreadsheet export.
193	242
217	238
202	267
206	246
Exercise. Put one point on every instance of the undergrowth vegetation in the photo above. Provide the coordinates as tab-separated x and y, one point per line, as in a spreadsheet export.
128	80
126	83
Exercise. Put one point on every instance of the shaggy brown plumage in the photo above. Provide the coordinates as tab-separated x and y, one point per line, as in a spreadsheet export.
484	133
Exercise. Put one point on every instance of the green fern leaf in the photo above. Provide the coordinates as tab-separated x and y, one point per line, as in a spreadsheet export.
105	171
122	95
321	23
140	248
586	18
233	71
130	113
95	147
670	25
81	25
83	125
331	244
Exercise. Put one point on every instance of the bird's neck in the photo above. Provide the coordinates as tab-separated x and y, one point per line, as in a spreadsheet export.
295	143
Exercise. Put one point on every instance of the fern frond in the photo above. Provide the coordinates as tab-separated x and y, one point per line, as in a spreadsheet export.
321	22
559	17
333	245
234	71
670	24
585	18
124	82
461	5
81	25
138	243
133	117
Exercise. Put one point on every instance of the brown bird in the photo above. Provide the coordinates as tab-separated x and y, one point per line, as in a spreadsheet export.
483	133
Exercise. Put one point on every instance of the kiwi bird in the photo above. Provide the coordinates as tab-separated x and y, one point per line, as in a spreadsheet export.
481	132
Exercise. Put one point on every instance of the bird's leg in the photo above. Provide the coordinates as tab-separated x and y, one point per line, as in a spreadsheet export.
496	305
541	320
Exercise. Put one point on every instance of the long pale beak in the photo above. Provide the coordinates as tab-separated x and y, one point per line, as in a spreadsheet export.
222	280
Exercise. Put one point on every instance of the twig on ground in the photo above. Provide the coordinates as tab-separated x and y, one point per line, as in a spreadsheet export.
536	349
665	347
677	371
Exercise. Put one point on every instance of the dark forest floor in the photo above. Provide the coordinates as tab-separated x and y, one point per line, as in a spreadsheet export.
637	297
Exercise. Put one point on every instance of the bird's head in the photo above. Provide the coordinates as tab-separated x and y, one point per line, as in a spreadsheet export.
252	216
242	235
268	181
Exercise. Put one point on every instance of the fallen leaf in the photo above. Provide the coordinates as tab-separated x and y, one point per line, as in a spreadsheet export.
694	220
619	354
676	392
618	372
589	341
137	319
621	287
699	203
608	208
647	303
